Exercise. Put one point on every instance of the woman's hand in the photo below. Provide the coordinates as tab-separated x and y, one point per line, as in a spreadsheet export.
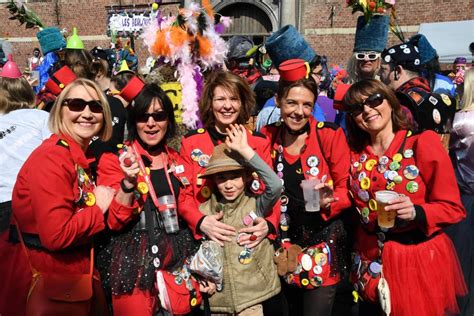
326	195
130	168
207	287
404	207
237	140
103	197
216	230
254	234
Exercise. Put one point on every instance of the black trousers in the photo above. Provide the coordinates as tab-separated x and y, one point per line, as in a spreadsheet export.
317	302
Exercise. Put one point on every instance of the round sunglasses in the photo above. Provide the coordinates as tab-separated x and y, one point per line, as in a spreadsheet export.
367	56
157	117
372	102
78	105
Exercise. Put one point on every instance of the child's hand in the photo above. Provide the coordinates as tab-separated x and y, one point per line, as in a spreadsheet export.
237	140
255	233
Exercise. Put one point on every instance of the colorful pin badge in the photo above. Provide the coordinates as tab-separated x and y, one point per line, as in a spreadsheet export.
142	187
312	161
90	200
408	153
369	165
411	172
412	187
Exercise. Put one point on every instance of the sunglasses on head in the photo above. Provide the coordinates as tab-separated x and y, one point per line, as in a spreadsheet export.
157	117
372	102
369	56
78	105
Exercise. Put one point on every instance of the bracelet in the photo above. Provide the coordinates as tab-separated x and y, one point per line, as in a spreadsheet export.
124	187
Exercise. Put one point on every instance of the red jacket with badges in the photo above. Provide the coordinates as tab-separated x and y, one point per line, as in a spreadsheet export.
333	160
425	174
110	174
197	146
47	203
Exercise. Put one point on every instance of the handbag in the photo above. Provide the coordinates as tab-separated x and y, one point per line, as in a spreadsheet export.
64	294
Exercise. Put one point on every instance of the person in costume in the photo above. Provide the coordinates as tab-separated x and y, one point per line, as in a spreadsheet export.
139	244
56	206
370	40
250	280
462	156
401	71
22	129
399	267
303	148
288	43
226	99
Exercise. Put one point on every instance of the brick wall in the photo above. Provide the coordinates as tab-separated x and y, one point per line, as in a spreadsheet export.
338	48
90	17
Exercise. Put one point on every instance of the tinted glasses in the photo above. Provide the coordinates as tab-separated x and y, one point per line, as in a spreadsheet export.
78	105
157	117
372	102
367	56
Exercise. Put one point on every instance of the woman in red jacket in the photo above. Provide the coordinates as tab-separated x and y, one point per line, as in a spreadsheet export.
303	148
55	202
141	245
412	263
227	99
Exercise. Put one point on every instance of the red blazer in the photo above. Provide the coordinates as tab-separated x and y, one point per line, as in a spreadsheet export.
203	141
437	200
44	204
110	174
333	161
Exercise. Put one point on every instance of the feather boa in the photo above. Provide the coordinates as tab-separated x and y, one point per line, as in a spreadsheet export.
191	43
48	61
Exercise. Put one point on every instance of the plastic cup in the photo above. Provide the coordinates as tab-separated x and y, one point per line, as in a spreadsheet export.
311	196
385	219
167	208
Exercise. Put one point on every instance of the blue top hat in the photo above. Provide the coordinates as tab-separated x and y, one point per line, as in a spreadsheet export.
372	35
287	43
51	39
427	52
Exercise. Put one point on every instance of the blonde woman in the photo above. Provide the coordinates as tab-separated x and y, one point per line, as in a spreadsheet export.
461	150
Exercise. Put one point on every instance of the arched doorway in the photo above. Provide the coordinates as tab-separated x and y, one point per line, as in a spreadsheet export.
249	20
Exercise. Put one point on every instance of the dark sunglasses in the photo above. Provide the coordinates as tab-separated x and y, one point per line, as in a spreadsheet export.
78	105
157	117
372	102
369	56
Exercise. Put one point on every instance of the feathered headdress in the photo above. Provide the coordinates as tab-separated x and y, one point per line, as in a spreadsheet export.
191	42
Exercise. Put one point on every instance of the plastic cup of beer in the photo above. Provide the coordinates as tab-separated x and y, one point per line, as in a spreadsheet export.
311	196
385	219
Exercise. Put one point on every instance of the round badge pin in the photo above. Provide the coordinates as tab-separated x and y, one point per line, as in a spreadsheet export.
156	262
142	187
436	116
397	157
195	154
408	153
321	259
446	99
383	160
362	175
412	187
312	161
306	262
314	171
317	269
365	183
304	282
411	172
363	195
203	160
363	158
280	167
245	257
394	166
365	212
369	165
398	179
205	192
391	175
381	168
90	201
284	219
284	200
372	205
154	249
255	185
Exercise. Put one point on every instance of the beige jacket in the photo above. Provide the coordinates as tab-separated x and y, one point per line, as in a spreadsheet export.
245	285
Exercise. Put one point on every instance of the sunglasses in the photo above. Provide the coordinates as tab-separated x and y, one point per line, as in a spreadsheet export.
157	117
372	102
78	105
367	56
